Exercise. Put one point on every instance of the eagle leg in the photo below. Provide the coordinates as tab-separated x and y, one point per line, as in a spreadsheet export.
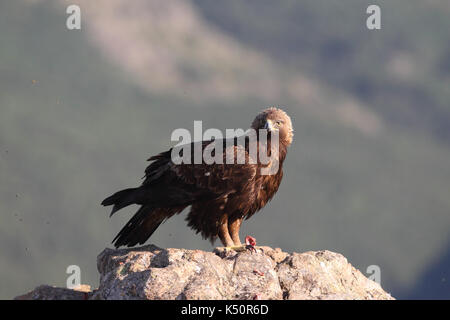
229	235
224	235
233	230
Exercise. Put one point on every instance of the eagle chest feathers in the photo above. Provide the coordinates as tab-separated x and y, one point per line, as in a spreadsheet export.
269	187
247	201
219	195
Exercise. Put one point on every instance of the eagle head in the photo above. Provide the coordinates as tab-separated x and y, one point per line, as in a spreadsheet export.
275	119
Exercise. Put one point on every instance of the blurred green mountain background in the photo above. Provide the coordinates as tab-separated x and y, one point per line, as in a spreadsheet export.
368	174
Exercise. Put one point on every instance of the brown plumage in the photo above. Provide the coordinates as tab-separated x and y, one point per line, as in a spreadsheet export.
220	196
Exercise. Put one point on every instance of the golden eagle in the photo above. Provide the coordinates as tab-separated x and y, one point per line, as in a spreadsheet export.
220	195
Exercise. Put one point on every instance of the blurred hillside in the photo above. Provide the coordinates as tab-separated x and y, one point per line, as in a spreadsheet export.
367	176
402	72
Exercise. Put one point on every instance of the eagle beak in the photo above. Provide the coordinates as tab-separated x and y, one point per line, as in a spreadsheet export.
269	126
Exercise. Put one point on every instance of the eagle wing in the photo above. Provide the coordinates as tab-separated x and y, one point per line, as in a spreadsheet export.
216	179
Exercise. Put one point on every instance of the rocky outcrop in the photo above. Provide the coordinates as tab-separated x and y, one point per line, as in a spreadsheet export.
150	272
45	292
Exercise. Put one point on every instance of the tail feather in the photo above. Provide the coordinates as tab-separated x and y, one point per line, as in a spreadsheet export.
155	208
140	227
121	199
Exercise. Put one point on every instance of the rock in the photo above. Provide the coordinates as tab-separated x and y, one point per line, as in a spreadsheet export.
325	275
150	272
45	292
